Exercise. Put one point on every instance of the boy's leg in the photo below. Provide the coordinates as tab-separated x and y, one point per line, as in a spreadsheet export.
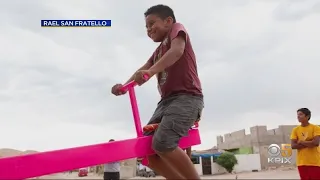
180	161
155	162
179	116
163	168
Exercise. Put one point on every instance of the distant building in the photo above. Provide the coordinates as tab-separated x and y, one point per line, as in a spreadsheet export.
204	160
257	142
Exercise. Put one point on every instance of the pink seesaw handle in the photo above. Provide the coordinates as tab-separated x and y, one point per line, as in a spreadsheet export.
134	105
131	84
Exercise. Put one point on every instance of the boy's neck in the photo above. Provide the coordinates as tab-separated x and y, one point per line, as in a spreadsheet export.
168	33
305	124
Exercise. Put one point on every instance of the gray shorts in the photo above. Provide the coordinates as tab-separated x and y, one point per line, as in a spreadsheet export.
177	115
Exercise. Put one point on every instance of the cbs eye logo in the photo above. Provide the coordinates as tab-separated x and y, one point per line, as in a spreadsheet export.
279	154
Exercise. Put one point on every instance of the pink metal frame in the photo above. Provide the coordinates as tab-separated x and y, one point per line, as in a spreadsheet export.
34	165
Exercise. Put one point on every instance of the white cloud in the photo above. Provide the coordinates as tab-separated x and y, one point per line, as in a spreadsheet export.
257	60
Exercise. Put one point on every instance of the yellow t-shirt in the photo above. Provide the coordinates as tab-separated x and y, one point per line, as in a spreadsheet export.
307	156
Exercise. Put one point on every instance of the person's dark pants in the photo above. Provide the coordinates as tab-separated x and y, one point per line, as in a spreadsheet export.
176	114
111	175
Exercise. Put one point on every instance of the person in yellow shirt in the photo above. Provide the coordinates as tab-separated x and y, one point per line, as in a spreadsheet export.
305	138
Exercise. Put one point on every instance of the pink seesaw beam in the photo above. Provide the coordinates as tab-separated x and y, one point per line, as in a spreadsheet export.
39	164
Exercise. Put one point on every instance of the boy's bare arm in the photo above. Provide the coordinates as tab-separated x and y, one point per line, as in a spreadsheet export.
296	145
312	143
146	66
171	56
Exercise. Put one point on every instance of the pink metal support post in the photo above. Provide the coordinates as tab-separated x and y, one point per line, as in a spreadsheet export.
135	111
38	164
134	105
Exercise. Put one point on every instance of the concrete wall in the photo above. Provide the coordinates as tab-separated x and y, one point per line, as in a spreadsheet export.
246	150
199	167
127	172
247	162
259	135
128	168
264	155
259	139
242	150
217	169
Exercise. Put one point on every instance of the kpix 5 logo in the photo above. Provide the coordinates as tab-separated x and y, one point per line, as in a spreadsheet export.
280	155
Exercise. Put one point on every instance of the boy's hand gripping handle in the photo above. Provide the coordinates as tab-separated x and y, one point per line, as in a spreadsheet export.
131	84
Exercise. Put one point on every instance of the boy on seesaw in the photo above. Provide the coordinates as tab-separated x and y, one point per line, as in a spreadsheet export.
174	64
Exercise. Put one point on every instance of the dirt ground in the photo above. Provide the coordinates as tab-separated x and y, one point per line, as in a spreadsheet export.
275	174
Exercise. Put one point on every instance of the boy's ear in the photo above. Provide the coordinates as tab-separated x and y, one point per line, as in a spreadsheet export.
169	20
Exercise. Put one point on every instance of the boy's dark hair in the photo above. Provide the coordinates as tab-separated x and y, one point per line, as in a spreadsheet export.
305	111
111	140
162	11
